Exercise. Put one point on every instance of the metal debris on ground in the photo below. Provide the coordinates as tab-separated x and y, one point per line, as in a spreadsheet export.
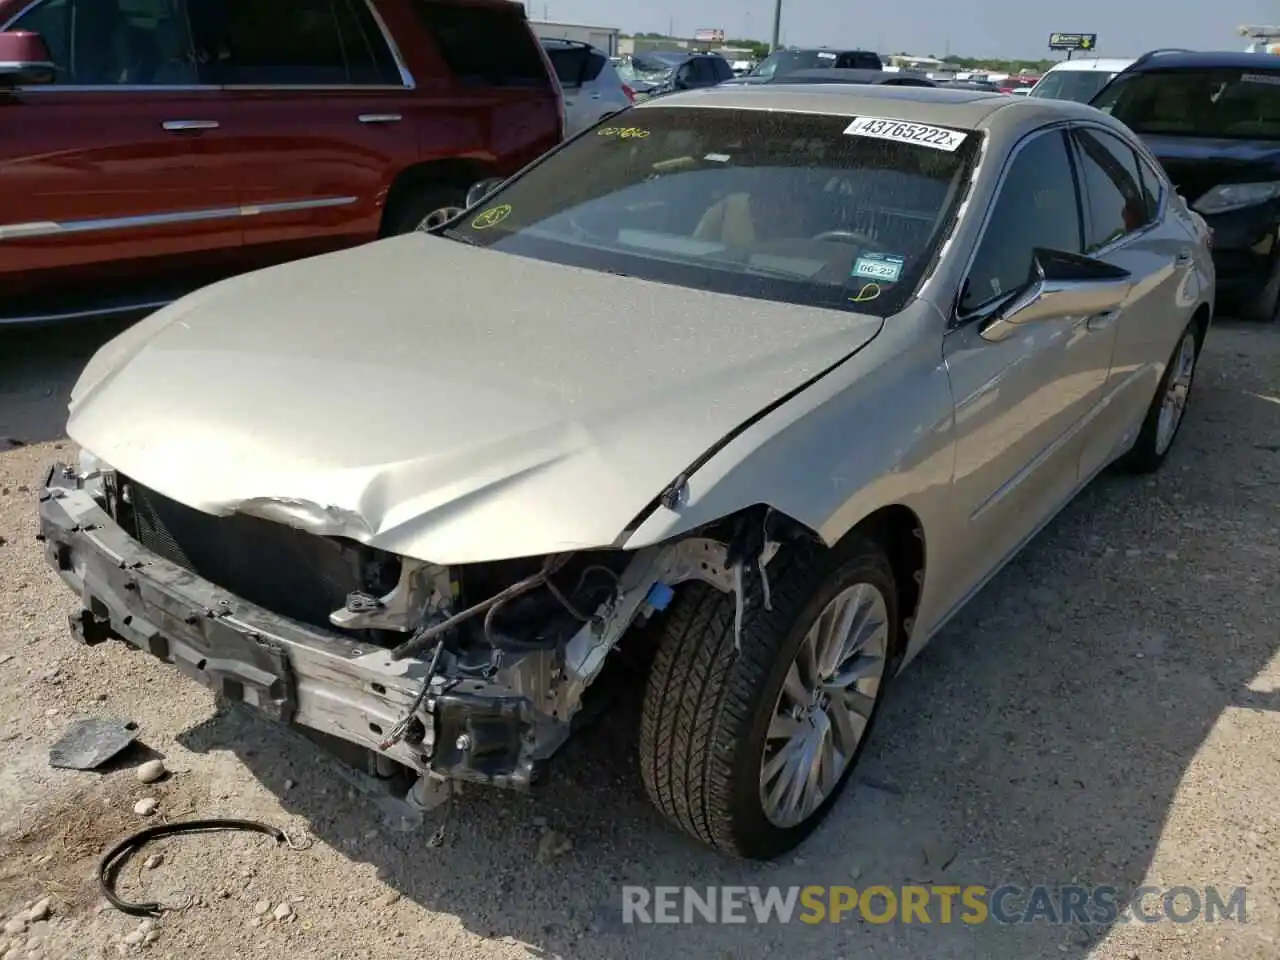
91	743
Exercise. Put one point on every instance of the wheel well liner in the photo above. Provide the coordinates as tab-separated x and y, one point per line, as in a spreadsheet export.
897	530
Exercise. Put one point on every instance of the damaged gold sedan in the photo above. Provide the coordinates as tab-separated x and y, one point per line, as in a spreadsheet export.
752	389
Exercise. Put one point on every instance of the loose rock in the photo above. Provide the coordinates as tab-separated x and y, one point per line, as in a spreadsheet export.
552	845
154	861
151	771
15	926
388	898
282	912
39	910
134	937
146	806
261	907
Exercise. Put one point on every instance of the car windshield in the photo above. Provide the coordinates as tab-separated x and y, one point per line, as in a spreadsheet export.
646	68
788	61
754	203
1198	103
1078	85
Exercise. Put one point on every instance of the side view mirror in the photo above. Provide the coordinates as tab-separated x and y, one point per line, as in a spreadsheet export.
481	189
1060	285
24	60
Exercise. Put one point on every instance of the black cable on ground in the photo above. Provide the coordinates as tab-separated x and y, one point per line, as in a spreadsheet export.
115	857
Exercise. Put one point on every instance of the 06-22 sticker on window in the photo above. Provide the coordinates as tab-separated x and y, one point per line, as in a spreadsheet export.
900	131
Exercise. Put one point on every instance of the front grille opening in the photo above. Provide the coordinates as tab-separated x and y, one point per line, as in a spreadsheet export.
289	572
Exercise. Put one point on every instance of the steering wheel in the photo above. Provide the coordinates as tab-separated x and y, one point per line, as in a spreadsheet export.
842	236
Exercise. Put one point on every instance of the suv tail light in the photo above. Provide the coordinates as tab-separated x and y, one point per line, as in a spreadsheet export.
630	94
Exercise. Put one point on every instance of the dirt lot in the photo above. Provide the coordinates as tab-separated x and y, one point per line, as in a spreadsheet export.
1105	713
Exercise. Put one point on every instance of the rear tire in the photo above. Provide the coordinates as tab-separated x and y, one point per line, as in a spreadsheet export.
1265	307
715	720
1168	407
423	207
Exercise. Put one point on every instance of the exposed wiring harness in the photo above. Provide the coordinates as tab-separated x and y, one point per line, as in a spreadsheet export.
489	608
111	862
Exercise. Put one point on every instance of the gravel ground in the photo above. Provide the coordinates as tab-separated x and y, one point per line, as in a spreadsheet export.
1104	713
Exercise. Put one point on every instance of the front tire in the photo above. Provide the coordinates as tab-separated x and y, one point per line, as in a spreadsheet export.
748	751
1168	407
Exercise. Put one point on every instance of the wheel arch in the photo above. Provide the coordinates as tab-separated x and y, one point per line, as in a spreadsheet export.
898	530
453	171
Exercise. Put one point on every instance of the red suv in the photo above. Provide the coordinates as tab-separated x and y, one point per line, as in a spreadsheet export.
150	146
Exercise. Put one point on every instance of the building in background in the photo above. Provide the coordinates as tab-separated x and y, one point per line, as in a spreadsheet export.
602	38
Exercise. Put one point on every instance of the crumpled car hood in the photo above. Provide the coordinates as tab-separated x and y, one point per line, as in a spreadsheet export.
442	401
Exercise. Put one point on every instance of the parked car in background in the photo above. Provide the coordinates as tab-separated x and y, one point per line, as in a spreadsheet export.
782	62
654	73
167	143
753	392
1078	79
1213	120
589	83
900	78
986	85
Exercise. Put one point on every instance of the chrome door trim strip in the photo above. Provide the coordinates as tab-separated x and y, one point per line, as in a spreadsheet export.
51	228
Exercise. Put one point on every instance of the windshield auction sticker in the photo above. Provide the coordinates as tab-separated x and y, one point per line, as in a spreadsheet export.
623	133
899	131
491	217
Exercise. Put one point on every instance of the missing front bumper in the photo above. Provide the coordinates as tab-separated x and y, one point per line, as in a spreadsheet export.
287	671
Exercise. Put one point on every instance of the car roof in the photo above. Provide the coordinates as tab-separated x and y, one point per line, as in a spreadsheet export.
945	106
1209	60
1114	64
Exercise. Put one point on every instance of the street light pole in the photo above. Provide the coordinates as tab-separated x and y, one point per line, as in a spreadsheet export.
777	24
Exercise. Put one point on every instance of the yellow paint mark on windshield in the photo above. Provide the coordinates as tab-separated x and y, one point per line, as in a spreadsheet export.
491	217
623	133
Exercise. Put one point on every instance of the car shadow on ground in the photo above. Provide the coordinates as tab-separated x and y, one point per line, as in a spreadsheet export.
1040	740
38	368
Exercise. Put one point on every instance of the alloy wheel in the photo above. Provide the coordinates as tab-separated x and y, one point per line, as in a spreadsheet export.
437	218
1174	402
825	705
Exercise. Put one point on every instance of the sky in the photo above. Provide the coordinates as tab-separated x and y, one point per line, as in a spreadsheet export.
981	28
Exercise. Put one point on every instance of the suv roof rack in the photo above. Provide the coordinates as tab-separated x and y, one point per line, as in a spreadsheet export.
1152	54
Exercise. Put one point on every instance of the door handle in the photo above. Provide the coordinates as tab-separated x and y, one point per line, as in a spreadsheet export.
380	118
1103	320
1183	258
178	126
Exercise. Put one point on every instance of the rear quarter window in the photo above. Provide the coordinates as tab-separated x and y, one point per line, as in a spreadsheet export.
484	45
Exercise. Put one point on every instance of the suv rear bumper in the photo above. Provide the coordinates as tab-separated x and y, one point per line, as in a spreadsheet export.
288	671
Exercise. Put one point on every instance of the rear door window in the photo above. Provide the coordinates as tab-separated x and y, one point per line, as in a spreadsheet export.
290	43
484	45
1112	186
570	63
1152	187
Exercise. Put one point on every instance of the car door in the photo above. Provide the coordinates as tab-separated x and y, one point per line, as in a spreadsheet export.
1020	401
114	170
1124	226
319	115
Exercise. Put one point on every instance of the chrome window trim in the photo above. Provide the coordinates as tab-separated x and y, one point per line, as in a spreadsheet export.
57	228
407	81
